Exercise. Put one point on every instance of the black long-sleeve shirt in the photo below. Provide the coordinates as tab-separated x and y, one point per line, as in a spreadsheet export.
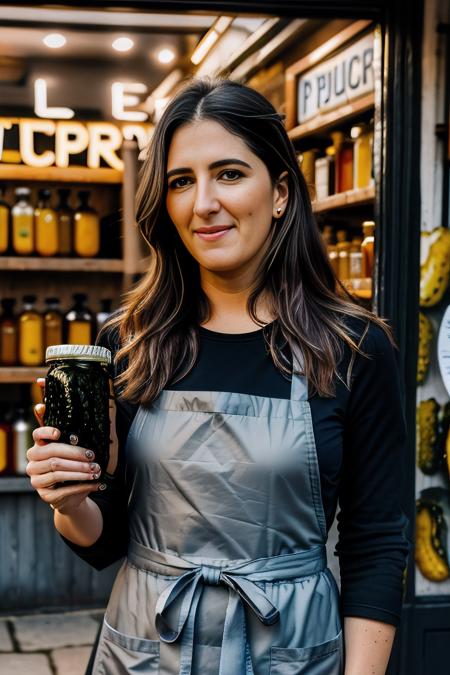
360	438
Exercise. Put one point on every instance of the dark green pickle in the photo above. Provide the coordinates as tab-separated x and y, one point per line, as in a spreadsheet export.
77	390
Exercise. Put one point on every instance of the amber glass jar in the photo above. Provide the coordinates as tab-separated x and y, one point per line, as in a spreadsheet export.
368	247
79	322
22	217
362	169
86	228
343	161
53	323
46	226
8	333
31	334
65	223
4	222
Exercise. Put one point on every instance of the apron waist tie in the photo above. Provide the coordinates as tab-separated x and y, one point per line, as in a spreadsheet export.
239	578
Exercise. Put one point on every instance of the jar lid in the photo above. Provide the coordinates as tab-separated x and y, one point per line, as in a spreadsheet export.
79	352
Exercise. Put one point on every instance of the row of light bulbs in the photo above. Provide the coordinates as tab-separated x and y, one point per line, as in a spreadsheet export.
121	44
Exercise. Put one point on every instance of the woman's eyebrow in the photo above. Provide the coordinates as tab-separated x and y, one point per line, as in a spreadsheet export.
213	165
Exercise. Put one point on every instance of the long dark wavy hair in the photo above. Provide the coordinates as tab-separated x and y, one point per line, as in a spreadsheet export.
158	323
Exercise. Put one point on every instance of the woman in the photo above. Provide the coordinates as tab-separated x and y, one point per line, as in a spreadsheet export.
252	394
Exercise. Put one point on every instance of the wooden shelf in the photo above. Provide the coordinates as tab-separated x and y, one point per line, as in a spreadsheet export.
51	264
21	374
15	484
323	121
347	199
70	174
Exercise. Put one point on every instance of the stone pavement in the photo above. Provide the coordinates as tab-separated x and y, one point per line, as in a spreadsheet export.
47	644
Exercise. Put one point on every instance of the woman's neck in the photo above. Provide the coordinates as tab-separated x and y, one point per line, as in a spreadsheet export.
228	306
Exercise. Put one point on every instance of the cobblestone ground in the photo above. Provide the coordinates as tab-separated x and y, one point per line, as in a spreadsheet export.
47	644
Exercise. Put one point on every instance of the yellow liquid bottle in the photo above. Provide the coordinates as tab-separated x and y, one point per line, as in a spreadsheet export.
8	333
86	228
4	222
79	322
343	247
65	223
22	216
31	334
368	247
362	166
53	323
46	226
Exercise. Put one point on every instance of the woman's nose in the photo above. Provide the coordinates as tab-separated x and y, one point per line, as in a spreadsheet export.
206	201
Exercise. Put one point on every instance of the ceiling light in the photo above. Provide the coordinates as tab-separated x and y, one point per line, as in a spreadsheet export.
166	56
54	40
209	40
123	44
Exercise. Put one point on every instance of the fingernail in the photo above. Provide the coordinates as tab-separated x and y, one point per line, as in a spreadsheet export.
94	467
55	434
89	454
95	476
102	486
73	438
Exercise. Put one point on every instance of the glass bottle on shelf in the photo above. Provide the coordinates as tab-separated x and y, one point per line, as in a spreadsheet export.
362	150
356	259
5	441
343	161
31	334
79	321
22	217
21	440
329	238
104	313
307	166
65	223
4	222
86	228
46	225
53	323
8	333
343	247
368	247
324	174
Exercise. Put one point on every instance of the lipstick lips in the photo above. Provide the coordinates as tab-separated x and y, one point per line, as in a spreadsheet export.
213	228
213	232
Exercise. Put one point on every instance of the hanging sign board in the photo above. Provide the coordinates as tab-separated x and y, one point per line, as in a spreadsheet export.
338	80
98	142
444	349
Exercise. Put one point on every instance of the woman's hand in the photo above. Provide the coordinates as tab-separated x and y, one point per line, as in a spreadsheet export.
51	463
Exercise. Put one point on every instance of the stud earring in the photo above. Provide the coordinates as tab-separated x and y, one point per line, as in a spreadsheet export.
278	211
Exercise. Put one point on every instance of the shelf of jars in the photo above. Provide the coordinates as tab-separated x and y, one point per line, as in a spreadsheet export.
56	174
340	200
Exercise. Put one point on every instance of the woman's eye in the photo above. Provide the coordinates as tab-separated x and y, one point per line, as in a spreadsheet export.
231	174
179	182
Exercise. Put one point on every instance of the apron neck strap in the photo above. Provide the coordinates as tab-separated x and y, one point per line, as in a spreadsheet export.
299	386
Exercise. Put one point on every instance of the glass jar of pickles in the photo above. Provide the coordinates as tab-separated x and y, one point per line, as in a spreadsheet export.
77	391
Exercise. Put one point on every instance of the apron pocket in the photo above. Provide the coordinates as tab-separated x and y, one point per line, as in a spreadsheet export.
323	659
120	654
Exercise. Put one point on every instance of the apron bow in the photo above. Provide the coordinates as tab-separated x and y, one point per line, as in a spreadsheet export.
240	580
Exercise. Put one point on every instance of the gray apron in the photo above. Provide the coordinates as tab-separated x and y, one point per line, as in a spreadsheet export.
226	570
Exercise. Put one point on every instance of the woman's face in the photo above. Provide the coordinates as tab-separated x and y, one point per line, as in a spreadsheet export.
220	197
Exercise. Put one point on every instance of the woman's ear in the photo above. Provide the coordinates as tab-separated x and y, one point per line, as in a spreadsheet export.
280	195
